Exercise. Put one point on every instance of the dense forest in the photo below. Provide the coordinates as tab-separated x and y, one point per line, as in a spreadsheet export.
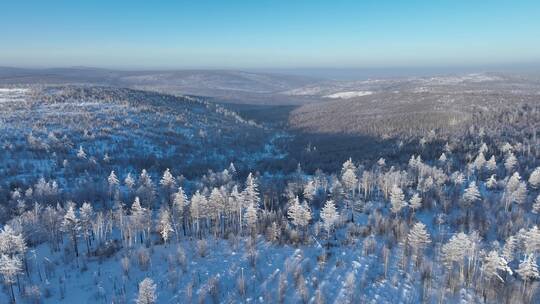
111	195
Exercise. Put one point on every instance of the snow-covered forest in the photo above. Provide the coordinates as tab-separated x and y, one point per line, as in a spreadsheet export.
111	195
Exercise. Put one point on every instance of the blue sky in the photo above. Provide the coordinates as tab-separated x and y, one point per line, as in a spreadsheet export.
268	34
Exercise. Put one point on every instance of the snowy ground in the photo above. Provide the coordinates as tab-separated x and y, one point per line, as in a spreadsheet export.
94	280
348	95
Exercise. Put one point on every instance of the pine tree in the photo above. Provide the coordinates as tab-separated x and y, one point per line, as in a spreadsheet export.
456	250
10	268
349	181
129	181
397	199
146	190
294	211
458	178
232	169
491	183
12	243
418	238
87	216
520	195
218	203
509	249
299	214
492	264
180	202
113	184
80	153
329	216
251	192
528	270
147	292
510	162
515	190
348	165
443	158
415	202
531	240
236	203
112	179
197	209
309	191
167	180
251	216
165	226
71	225
138	217
491	164
480	161
536	205
471	194
534	179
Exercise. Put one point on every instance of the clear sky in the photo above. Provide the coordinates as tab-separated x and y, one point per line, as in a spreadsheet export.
268	34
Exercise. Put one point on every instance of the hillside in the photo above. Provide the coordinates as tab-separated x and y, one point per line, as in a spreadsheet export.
43	130
413	108
225	85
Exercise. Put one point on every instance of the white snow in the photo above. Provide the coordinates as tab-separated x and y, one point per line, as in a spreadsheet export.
348	94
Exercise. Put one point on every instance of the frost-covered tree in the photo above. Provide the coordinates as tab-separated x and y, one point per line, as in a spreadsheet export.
113	179
491	164
415	202
397	199
349	181
520	195
251	192
113	184
418	238
510	162
219	203
139	217
80	153
509	249
167	180
443	158
86	213
146	191
534	179
12	243
455	251
457	178
348	165
531	240
491	182
147	292
71	226
309	190
536	205
180	202
168	185
251	216
165	227
471	194
493	264
129	181
299	214
528	270
197	209
480	161
329	216
515	190
236	204
10	268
